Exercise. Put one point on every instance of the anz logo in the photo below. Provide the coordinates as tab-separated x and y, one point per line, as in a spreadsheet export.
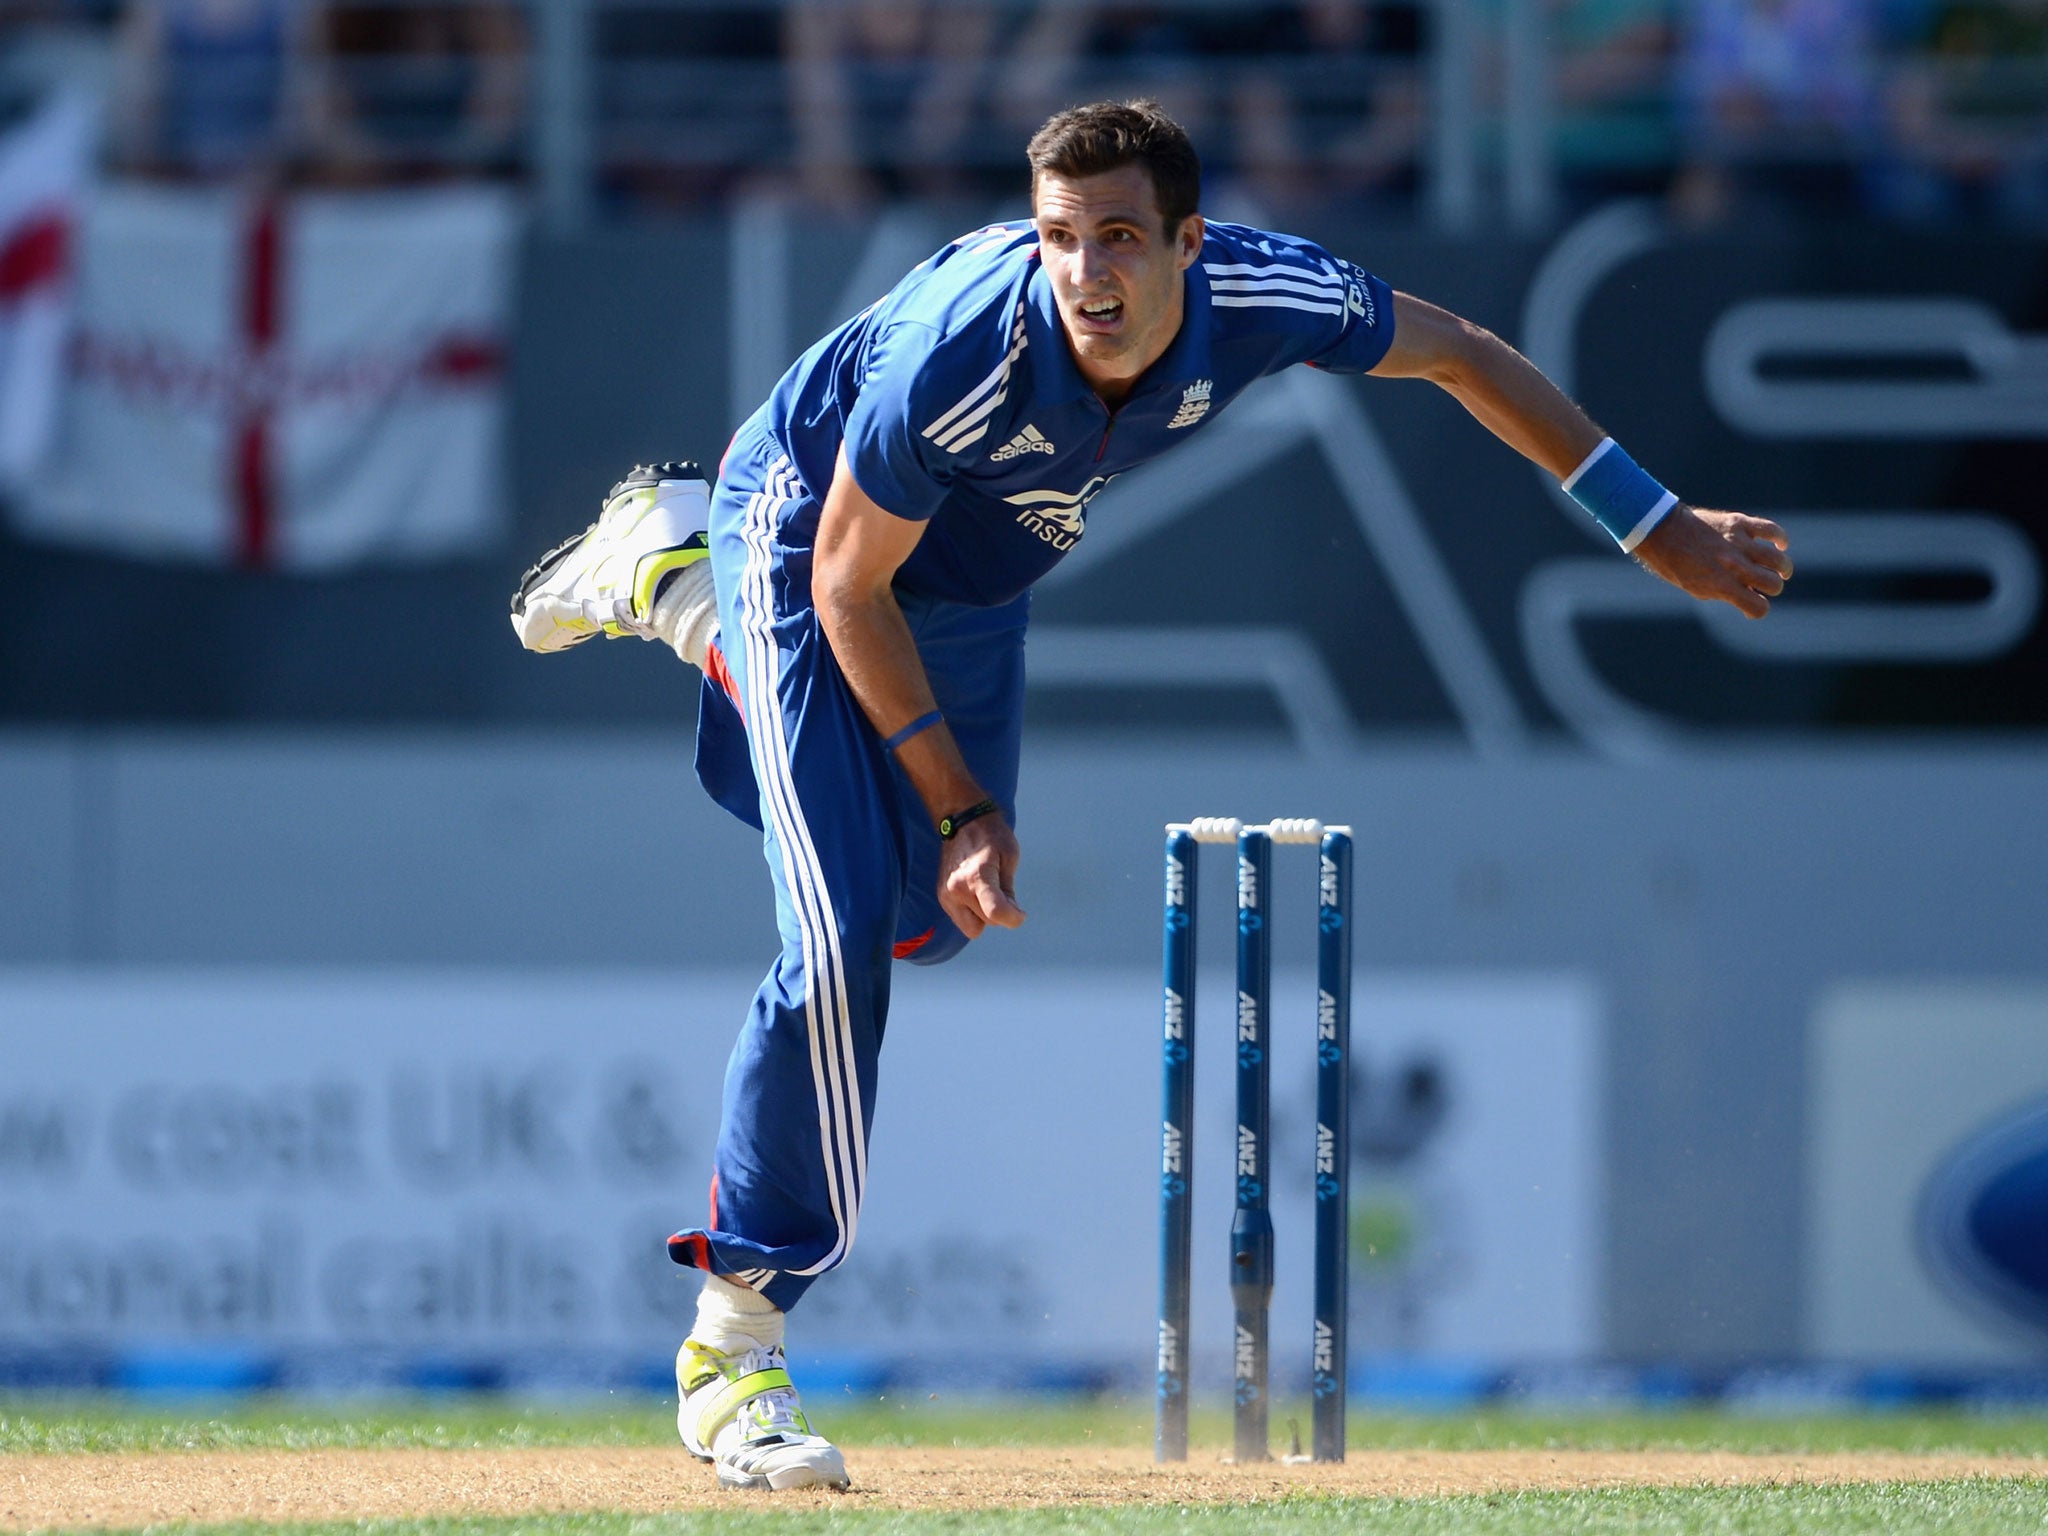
1324	1362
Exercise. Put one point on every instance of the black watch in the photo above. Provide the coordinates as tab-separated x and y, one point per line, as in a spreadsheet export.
949	825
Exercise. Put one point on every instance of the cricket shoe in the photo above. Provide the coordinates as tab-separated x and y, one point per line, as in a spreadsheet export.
740	1412
619	576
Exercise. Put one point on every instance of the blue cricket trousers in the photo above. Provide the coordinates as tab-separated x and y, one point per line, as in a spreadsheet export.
784	745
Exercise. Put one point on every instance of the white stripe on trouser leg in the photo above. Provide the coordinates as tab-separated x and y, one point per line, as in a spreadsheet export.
835	1077
824	987
832	1038
762	668
824	990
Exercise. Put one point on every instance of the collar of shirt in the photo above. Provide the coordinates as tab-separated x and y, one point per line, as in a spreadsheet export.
1055	379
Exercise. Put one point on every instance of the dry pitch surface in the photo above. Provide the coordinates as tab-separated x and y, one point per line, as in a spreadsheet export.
129	1490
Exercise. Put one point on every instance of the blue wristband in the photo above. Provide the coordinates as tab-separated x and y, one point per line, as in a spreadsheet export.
922	723
1622	496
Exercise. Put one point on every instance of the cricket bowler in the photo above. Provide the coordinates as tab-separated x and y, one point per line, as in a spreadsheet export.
855	587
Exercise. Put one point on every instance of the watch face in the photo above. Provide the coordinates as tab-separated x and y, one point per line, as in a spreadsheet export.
948	825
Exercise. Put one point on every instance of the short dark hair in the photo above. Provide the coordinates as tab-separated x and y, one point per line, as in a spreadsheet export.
1109	135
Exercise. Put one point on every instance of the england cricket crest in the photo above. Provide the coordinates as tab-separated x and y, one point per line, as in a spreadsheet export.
1194	405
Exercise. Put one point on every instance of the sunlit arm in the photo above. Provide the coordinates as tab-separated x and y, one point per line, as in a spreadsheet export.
1726	557
860	545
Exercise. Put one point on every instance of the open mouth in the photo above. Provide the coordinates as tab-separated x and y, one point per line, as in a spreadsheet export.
1101	314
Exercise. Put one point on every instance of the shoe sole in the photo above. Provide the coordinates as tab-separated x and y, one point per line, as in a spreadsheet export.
784	1480
643	476
545	567
801	1475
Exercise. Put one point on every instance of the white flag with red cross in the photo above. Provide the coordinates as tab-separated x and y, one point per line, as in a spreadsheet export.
301	383
43	166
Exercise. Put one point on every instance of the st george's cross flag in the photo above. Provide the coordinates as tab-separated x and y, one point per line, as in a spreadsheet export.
303	383
43	163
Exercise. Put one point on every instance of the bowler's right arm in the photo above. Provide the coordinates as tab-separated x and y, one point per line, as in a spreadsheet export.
859	547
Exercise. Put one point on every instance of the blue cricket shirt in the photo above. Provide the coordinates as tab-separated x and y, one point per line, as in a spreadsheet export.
959	403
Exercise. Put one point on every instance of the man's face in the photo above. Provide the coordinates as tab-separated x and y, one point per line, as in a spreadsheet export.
1115	270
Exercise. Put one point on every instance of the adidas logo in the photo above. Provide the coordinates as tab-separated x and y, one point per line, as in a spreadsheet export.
1030	440
1194	405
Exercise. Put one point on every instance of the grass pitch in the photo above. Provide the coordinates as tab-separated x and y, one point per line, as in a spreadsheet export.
31	1428
74	1425
1964	1508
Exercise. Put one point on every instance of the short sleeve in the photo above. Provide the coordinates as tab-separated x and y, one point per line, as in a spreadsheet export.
1304	304
1364	328
896	442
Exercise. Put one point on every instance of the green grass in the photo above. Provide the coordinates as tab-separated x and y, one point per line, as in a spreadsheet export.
30	1424
1991	1507
1981	1508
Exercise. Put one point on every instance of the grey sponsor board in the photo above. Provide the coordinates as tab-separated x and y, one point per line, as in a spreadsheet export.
487	1163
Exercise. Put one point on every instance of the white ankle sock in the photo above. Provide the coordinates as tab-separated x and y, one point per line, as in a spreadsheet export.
686	613
732	1317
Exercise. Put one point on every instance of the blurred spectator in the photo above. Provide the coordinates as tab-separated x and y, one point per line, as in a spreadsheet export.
208	88
51	44
1322	98
1969	116
1078	50
1303	101
690	102
1778	98
1381	150
411	91
1612	61
882	95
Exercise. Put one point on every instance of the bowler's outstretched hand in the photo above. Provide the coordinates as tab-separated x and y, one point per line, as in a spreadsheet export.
978	877
1727	557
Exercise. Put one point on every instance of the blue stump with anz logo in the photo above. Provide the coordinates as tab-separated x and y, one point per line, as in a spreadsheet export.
1251	1231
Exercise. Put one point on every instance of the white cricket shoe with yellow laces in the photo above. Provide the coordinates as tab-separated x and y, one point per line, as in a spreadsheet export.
621	575
740	1412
